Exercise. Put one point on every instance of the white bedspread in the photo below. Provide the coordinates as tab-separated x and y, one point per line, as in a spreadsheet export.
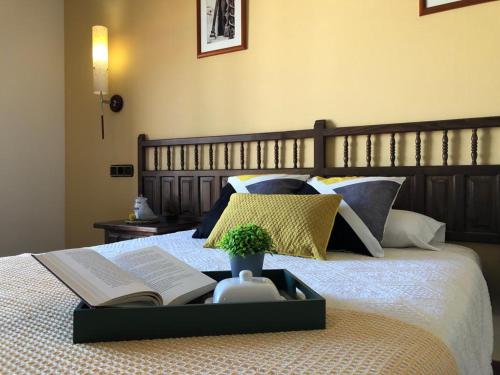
443	292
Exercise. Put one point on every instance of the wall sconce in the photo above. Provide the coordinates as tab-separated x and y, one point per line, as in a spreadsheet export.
100	68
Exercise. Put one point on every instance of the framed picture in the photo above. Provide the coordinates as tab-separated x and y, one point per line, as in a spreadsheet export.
433	6
222	26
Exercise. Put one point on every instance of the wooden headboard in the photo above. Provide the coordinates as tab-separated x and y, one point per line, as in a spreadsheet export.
184	176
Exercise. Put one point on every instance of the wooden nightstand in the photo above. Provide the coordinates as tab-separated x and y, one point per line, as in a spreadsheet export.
118	230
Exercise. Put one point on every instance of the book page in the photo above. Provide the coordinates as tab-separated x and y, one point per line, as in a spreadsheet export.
176	281
91	276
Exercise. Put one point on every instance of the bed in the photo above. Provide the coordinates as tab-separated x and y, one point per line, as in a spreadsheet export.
443	293
413	311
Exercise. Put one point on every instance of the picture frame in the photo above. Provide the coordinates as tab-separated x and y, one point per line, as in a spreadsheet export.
434	6
221	26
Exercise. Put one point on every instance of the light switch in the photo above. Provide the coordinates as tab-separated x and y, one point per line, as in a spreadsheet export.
121	170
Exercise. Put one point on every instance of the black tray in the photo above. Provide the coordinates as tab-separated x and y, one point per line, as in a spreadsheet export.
199	319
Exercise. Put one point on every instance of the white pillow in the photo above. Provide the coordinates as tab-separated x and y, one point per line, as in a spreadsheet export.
411	229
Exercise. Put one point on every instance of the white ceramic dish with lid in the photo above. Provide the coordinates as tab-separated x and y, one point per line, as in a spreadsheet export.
246	288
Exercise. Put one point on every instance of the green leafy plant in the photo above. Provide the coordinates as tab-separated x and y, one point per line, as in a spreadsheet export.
246	240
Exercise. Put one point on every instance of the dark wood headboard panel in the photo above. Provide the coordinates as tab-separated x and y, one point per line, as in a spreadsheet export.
466	197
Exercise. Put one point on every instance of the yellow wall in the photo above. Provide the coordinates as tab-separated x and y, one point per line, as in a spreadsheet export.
351	61
31	126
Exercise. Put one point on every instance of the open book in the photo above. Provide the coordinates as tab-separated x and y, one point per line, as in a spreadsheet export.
148	276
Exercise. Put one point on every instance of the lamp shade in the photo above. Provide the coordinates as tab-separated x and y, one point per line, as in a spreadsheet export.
100	59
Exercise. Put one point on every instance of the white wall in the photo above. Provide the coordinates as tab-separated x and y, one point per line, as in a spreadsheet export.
31	125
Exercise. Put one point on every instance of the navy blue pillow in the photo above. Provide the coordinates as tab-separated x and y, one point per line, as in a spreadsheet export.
211	217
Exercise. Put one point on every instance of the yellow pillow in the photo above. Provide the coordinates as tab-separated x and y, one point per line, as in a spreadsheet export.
299	225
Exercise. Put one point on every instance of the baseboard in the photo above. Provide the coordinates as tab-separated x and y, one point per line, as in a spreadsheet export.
496	367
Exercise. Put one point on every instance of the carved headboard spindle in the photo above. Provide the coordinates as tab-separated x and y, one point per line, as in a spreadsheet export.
156	158
473	146
182	158
392	149
196	158
276	154
418	148
259	156
295	154
242	155
369	150
211	156
226	156
445	147
346	151
169	158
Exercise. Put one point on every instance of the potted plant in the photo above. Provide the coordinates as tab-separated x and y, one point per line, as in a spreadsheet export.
246	245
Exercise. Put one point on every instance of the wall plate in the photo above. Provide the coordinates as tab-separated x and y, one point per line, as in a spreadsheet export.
121	170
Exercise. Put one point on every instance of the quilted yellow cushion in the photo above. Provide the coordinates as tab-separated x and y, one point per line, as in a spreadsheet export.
299	225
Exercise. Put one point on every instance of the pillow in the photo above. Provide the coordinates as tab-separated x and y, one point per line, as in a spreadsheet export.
364	209
210	218
343	238
411	229
257	184
299	225
268	183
